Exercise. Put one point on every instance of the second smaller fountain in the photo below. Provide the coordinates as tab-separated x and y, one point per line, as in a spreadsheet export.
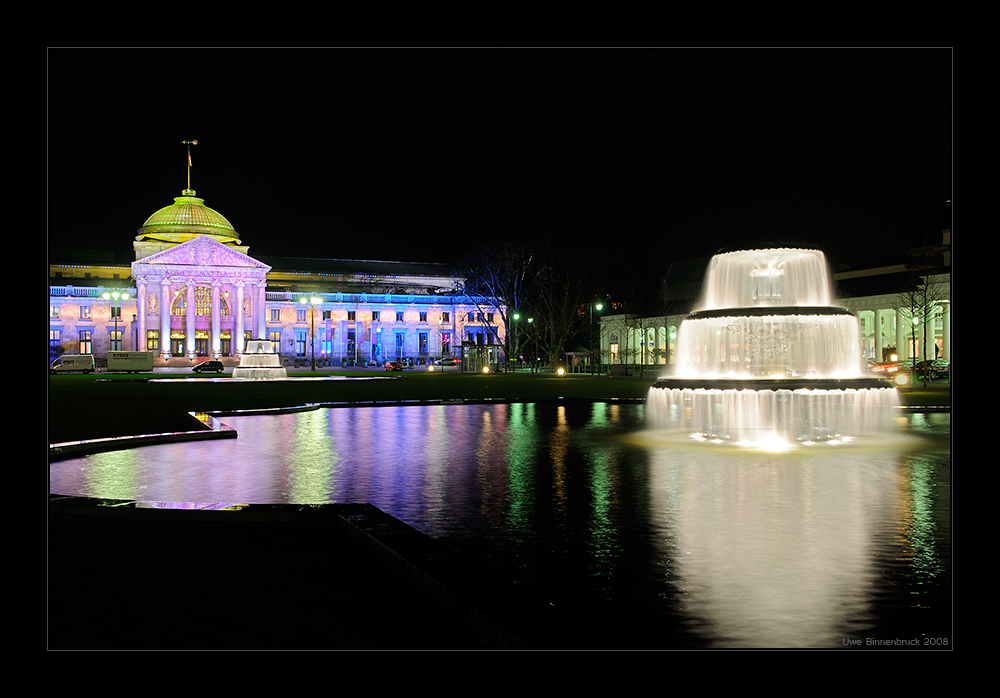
260	362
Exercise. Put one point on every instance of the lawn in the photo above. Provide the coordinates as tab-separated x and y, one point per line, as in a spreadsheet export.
87	407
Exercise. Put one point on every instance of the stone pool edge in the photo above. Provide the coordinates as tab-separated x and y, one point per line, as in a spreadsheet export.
420	563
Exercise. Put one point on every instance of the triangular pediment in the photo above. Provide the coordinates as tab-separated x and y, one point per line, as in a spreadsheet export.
203	252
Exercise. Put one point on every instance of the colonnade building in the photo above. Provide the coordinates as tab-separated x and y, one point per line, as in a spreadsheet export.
193	292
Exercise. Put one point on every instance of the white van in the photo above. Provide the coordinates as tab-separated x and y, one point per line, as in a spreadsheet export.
72	362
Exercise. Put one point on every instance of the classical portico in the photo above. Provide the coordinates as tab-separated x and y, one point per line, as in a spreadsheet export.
200	297
199	293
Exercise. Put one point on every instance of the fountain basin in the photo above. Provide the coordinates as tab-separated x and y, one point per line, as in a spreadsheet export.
260	362
766	357
772	383
785	412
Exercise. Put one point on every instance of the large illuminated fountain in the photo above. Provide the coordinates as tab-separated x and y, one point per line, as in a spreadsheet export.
260	362
766	359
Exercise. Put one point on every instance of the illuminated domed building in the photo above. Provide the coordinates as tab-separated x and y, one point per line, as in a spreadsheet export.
193	293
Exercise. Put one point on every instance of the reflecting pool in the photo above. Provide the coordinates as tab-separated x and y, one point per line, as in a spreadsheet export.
661	540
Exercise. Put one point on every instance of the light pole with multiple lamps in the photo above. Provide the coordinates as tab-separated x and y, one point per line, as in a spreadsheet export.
313	301
116	295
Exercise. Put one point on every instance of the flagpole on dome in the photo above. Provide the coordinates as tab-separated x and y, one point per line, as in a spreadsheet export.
189	144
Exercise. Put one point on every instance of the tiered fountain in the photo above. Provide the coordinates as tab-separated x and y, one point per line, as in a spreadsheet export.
260	362
766	359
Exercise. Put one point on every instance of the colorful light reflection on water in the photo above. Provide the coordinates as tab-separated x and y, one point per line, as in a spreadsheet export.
665	542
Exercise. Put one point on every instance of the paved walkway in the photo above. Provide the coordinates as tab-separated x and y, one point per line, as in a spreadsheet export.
337	577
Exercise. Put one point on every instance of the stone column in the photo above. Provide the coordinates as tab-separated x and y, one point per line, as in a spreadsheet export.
877	335
216	319
946	331
929	335
901	344
140	312
238	313
166	307
260	310
189	325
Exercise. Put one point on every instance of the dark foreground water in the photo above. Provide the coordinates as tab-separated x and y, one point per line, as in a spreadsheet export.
662	541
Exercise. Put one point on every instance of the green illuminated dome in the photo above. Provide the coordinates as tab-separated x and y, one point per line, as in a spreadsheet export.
187	218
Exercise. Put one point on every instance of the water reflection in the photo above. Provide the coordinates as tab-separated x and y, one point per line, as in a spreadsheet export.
664	542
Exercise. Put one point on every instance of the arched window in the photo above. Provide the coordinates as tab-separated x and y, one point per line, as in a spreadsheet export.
202	302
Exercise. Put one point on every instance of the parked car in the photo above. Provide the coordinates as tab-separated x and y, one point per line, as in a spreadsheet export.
439	364
938	368
393	366
885	369
897	374
209	367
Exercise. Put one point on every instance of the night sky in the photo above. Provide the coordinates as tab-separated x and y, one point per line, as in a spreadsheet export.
652	156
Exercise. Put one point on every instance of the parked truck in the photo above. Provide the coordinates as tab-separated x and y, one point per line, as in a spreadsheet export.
72	362
130	361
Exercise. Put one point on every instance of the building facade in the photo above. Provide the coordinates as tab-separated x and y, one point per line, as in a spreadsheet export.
194	292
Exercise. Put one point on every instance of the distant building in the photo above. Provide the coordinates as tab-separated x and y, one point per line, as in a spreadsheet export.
194	292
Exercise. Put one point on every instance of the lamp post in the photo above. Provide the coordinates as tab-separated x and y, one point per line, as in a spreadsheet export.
314	301
599	306
116	295
514	347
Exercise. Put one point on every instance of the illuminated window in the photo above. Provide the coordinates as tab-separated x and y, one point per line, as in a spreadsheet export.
84	312
422	342
86	342
153	340
54	311
115	338
202	302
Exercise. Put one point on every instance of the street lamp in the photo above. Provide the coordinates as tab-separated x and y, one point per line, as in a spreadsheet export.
599	306
514	347
116	295
314	301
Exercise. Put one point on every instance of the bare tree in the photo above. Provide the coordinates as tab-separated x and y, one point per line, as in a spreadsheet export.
560	288
921	293
496	278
